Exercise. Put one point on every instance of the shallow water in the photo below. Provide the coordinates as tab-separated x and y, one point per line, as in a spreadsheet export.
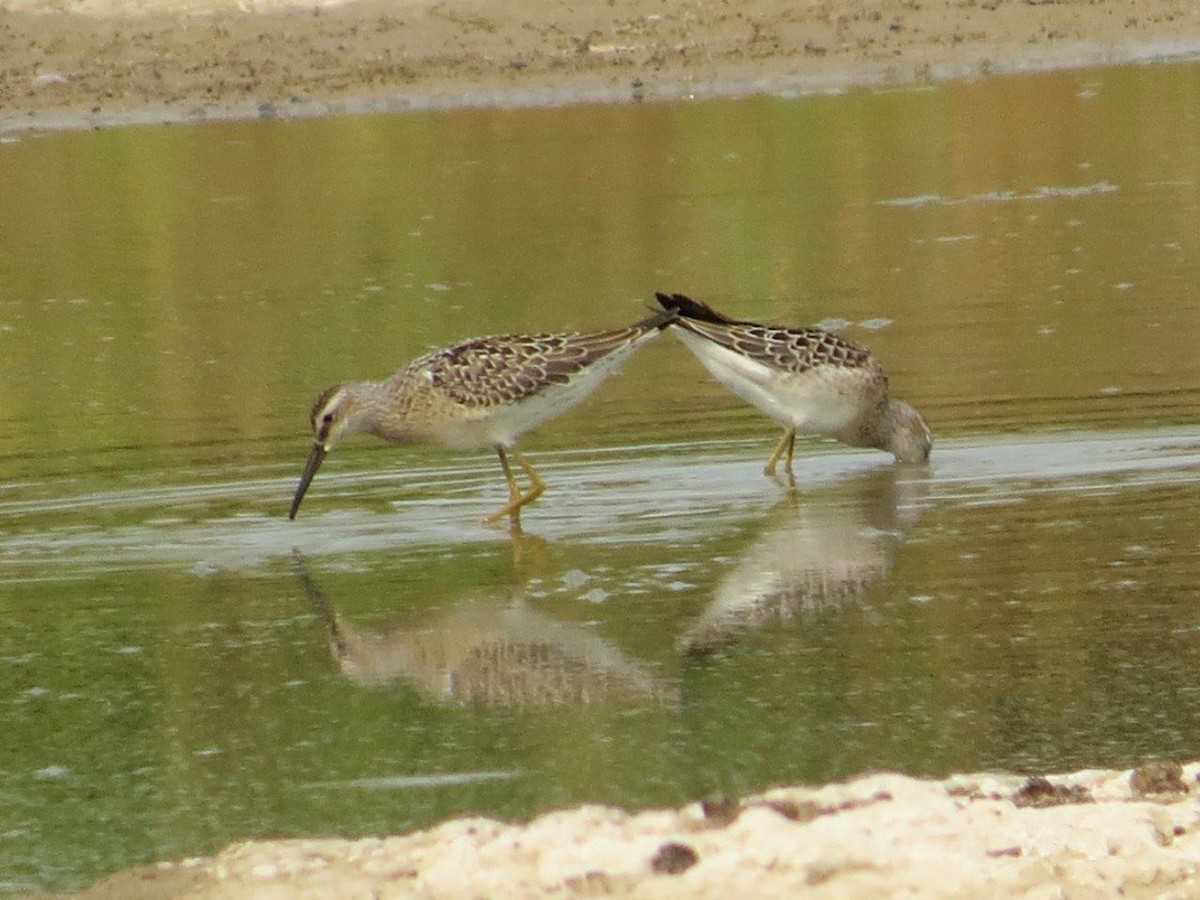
181	666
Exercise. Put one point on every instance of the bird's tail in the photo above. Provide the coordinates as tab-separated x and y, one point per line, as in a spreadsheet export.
657	320
688	308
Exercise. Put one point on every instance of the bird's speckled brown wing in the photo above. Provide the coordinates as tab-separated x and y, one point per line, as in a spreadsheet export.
496	371
794	350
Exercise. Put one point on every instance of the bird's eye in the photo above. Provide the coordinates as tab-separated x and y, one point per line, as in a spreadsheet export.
327	418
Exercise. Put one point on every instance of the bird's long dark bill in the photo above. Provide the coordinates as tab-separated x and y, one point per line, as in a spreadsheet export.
310	469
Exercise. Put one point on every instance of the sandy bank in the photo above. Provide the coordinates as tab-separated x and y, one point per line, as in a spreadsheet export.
104	62
1089	834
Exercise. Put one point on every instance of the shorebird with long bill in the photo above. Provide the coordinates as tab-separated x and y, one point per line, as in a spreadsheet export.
485	392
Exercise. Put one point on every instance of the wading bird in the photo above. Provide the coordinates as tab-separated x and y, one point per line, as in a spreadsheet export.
807	379
485	392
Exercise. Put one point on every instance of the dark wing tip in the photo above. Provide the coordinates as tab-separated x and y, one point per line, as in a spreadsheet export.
693	309
657	320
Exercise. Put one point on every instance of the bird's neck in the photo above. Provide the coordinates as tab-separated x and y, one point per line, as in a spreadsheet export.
383	412
365	399
874	429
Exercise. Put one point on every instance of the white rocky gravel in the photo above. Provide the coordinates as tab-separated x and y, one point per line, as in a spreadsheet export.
1083	835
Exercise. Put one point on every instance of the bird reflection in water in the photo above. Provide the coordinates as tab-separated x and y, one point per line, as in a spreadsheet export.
490	651
824	549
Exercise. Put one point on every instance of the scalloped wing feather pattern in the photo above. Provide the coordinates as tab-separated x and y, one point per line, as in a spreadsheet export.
489	372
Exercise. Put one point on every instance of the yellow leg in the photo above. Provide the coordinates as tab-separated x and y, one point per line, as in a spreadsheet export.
787	444
517	499
514	489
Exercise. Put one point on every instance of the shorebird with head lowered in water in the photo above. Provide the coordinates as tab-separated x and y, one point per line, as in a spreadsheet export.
809	380
485	392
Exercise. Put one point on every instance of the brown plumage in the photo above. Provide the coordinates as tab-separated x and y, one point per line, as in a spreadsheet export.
484	392
807	379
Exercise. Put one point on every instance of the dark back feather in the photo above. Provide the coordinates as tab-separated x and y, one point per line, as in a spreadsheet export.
789	349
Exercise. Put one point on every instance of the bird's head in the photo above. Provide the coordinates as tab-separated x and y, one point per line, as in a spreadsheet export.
333	415
911	439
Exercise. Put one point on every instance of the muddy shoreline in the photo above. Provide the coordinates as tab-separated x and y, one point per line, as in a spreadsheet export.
98	63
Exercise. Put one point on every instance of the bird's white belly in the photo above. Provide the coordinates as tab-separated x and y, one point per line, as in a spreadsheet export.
825	400
502	425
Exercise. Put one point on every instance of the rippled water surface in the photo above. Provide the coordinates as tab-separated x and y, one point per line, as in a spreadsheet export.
180	666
